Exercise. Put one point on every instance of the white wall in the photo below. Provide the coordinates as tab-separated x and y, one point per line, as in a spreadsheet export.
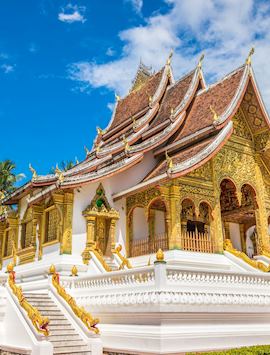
140	225
159	222
235	235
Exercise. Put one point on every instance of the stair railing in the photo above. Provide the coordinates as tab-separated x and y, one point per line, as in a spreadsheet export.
98	254
256	264
124	261
80	312
39	322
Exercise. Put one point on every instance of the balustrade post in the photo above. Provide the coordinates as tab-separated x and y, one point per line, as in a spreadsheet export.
160	270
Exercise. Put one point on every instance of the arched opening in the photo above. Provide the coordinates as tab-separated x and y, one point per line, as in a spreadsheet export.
239	220
195	229
148	228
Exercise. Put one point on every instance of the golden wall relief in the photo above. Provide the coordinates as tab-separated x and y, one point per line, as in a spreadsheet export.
142	198
202	173
240	126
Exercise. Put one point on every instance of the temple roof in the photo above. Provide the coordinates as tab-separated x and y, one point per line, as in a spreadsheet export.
186	119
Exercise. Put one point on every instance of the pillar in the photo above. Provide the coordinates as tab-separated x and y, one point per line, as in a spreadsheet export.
242	236
175	217
112	233
90	238
66	240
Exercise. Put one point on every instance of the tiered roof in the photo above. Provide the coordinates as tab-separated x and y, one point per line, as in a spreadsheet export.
184	123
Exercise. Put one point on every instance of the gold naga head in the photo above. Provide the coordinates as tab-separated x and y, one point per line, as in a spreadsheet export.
100	131
10	267
117	97
215	115
33	171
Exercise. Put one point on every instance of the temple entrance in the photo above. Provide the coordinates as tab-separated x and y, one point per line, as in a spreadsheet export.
239	216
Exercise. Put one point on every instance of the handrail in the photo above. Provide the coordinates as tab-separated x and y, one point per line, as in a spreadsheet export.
99	256
39	322
80	312
256	264
125	261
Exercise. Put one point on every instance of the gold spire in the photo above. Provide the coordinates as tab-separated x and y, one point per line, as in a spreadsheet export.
215	115
118	98
200	61
170	57
169	160
33	171
251	52
86	150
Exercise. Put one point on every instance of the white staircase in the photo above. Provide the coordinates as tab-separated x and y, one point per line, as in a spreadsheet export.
63	336
111	263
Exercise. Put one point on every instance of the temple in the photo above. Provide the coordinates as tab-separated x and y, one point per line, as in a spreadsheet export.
161	232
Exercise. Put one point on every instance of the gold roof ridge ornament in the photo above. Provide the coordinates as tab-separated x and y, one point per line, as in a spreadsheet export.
169	161
117	97
170	57
33	171
250	54
126	145
59	173
100	131
199	65
87	151
77	160
215	115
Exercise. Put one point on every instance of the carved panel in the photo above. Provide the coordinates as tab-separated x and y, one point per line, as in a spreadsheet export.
204	172
240	126
142	198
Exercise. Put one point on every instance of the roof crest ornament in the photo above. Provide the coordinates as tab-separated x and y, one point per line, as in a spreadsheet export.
170	57
33	171
100	131
250	54
87	151
199	65
117	97
169	161
59	173
215	115
126	145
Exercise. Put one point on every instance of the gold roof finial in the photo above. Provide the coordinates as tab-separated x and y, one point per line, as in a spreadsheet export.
86	150
169	160
59	173
215	115
118	98
200	61
33	171
250	54
170	57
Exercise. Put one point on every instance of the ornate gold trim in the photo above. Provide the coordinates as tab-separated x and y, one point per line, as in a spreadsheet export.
125	261
256	264
80	312
39	322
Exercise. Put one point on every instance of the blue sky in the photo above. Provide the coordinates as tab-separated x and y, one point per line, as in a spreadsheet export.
62	61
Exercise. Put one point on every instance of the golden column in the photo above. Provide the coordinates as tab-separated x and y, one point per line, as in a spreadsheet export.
90	241
175	217
66	242
2	231
112	233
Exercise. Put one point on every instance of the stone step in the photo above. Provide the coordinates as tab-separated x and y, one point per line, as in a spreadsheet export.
40	302
64	337
86	352
67	343
69	349
62	332
59	322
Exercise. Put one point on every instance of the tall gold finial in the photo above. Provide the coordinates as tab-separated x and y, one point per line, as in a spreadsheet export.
169	160
160	255
170	57
33	171
86	150
250	54
200	61
118	98
57	171
215	115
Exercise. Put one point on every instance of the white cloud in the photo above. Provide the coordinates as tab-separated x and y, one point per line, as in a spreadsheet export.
7	68
224	29
110	52
72	13
137	5
33	47
111	106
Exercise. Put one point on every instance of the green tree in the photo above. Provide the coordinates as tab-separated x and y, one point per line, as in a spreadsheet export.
8	178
